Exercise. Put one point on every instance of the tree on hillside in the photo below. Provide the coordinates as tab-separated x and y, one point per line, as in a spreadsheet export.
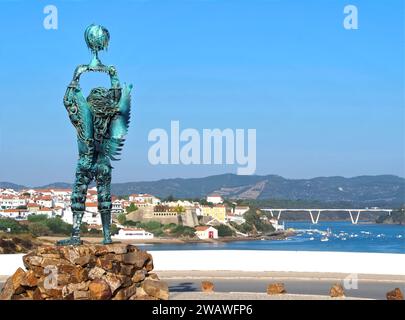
12	225
396	217
37	217
183	231
58	226
151	225
254	222
114	229
38	229
131	208
130	223
121	218
225	231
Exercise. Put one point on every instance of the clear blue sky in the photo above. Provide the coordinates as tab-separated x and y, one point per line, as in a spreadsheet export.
324	100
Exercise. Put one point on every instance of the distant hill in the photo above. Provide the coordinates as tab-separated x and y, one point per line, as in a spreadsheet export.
9	185
56	185
368	190
363	190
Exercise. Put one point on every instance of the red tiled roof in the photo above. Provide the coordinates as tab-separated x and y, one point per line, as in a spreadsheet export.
201	228
91	204
44	198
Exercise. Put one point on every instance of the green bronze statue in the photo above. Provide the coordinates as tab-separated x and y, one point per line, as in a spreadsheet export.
101	122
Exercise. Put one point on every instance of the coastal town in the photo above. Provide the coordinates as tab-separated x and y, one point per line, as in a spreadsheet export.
140	216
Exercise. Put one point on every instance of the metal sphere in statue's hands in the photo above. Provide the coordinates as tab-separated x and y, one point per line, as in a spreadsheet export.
97	37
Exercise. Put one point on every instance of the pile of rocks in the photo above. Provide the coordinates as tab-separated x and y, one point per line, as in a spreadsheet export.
276	288
86	272
337	291
395	294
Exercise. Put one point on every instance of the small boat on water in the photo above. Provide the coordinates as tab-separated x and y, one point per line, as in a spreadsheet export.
324	239
312	238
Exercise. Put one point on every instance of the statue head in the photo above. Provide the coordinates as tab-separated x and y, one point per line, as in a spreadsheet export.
97	38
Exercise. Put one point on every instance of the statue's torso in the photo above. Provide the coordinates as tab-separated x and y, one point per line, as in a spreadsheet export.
102	117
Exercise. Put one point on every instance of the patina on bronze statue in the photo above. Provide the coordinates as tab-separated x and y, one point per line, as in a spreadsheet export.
101	122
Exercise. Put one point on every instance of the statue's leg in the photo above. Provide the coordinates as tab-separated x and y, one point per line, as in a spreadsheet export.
84	175
103	179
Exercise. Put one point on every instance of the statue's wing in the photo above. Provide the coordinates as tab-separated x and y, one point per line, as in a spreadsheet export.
119	125
84	124
79	112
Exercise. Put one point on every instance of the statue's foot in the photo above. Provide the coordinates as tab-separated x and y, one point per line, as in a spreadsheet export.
107	240
72	241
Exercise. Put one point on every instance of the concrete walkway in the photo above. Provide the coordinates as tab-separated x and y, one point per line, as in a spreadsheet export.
385	264
248	296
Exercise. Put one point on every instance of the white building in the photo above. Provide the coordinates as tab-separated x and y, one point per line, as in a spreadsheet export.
276	225
8	192
46	211
12	202
240	210
117	206
178	203
61	203
215	199
206	232
44	192
198	209
31	192
90	216
45	201
235	218
67	215
132	234
14	214
58	211
92	194
62	192
144	197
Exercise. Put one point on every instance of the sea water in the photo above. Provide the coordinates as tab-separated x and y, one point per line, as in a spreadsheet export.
325	236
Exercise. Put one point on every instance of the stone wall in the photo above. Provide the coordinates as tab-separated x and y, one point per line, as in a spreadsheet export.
86	272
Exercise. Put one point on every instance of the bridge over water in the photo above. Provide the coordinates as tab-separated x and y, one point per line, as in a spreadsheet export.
316	213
